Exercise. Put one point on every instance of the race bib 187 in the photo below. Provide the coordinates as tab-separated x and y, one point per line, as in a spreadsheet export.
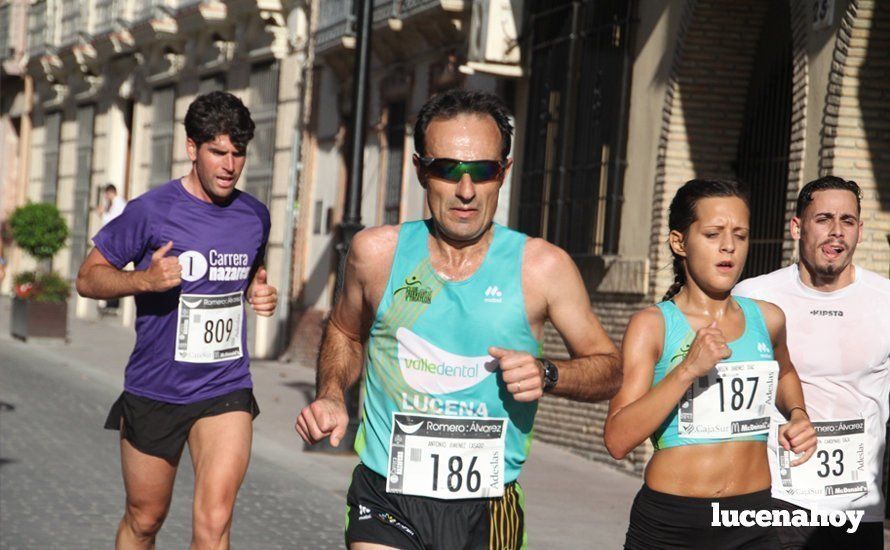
733	400
837	468
446	457
208	327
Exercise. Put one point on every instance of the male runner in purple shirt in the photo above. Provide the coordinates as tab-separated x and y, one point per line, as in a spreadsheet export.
197	244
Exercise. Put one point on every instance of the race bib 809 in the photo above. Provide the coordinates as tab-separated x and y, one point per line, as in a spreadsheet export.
208	327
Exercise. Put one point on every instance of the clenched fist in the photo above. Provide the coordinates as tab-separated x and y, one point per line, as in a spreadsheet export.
798	436
708	349
324	417
164	272
522	373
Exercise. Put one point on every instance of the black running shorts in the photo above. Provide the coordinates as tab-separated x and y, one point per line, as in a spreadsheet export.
421	523
868	536
661	520
161	429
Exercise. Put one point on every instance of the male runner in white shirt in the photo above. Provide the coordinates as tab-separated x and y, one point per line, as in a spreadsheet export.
838	319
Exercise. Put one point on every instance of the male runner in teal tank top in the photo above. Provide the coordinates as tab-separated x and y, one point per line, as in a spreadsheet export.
453	310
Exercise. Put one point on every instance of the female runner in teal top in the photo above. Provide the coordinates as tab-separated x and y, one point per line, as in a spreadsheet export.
709	448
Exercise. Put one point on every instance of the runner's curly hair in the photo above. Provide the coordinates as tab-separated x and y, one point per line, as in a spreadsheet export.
219	114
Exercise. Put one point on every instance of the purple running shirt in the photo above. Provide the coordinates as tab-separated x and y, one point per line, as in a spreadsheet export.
191	341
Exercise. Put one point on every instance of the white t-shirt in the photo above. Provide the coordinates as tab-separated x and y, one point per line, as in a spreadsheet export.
840	345
115	209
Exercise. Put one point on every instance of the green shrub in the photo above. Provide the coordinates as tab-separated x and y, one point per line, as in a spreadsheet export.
39	229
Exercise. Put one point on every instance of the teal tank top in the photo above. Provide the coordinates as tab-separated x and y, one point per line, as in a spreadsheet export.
429	343
755	344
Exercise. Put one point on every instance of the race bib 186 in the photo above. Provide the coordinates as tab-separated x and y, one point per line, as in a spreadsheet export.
208	327
837	468
446	457
733	400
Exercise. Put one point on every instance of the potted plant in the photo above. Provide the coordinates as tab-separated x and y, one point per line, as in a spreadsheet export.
40	305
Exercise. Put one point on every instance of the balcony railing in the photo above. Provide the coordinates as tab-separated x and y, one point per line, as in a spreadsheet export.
106	14
5	25
336	17
71	20
386	9
148	9
412	7
38	31
335	20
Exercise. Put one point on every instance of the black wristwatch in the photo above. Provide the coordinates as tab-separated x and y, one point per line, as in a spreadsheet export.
551	374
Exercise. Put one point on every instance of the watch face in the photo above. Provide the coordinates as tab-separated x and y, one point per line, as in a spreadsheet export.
551	374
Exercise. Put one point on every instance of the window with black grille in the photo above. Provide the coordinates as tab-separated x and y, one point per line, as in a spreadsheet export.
161	162
5	11
261	151
763	153
573	167
81	207
50	189
395	157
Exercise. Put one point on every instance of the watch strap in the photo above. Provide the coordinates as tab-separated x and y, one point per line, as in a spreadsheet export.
551	374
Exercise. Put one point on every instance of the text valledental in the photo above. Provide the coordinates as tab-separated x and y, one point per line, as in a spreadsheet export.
425	365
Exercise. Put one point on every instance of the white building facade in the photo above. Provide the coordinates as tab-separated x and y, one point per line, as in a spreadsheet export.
112	80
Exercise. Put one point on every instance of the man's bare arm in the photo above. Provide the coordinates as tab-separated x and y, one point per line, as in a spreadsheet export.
594	371
100	280
340	359
339	363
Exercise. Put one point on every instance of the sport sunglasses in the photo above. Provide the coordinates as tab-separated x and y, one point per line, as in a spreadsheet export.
453	170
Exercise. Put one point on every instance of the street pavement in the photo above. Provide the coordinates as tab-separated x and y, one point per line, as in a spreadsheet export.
60	484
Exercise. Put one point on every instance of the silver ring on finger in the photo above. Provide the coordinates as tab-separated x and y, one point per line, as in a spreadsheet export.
518	387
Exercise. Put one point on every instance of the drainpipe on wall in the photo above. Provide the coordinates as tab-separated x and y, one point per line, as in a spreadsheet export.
291	216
